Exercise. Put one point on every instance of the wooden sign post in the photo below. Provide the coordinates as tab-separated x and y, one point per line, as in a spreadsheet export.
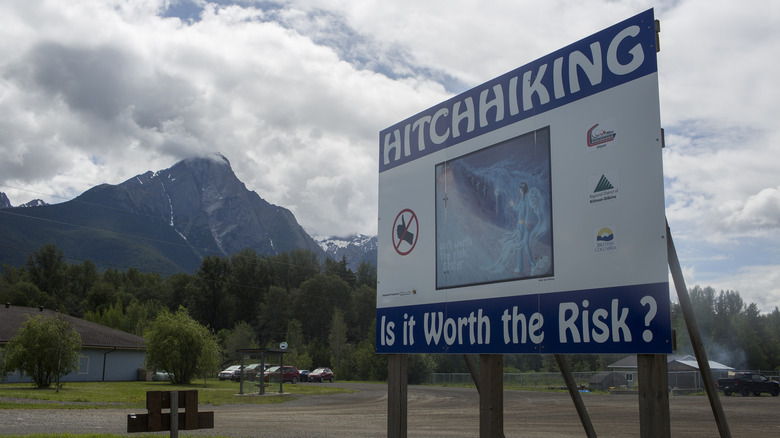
156	420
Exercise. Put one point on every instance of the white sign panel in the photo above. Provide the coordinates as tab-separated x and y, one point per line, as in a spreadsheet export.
527	214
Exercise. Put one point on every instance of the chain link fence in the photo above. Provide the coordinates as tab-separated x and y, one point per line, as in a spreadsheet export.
683	380
525	380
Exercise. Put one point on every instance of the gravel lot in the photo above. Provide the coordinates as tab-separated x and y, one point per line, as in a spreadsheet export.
432	412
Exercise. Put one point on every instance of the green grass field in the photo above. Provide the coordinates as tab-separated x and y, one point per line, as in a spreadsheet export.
99	395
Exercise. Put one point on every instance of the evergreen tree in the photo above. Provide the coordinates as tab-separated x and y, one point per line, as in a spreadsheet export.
273	315
241	336
366	275
47	270
248	282
113	316
361	313
295	343
337	339
209	302
315	302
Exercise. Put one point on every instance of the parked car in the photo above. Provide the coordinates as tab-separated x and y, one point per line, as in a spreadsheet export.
289	374
748	383
250	372
228	372
162	376
304	375
321	375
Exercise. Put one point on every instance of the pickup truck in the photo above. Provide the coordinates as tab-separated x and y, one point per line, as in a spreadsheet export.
748	383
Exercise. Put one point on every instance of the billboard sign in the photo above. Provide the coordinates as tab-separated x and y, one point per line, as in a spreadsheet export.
526	215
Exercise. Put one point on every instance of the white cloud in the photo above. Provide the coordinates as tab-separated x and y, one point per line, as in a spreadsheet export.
294	93
762	283
759	212
139	92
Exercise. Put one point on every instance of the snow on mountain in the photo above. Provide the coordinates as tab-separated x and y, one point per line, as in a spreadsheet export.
357	248
34	203
6	203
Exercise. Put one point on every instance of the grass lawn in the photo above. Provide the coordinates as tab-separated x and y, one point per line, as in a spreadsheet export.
100	395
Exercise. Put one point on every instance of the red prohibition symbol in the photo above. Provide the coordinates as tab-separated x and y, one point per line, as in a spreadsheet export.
405	231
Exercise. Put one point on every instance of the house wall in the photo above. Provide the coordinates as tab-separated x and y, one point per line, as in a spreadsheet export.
121	365
630	374
604	382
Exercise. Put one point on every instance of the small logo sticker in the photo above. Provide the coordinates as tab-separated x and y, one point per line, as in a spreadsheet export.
604	238
602	133
604	187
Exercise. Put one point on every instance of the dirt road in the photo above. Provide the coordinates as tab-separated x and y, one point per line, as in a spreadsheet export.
432	412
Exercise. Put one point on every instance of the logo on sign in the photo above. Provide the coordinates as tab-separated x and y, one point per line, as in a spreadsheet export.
604	187
605	240
602	133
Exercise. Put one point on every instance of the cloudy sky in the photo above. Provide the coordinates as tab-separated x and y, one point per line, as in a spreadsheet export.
294	94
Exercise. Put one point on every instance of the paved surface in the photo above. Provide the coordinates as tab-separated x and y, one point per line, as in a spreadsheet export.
432	412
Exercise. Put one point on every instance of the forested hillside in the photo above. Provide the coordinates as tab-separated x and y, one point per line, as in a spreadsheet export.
325	311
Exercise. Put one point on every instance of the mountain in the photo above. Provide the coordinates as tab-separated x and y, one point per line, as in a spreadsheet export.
4	201
164	221
34	203
357	248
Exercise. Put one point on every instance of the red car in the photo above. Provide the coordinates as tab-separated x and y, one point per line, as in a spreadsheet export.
289	374
321	375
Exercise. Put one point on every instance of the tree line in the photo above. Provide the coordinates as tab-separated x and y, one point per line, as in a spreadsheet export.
325	312
734	333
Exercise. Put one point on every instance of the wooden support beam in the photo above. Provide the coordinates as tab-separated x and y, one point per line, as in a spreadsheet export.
654	420
472	366
576	397
491	395
696	340
397	372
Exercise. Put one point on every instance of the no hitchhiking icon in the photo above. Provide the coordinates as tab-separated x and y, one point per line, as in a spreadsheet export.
406	229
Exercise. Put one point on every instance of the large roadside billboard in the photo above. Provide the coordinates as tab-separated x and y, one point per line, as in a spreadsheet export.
526	215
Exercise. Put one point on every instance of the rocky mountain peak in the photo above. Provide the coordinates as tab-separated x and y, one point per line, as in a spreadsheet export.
34	203
4	201
171	219
356	248
203	200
